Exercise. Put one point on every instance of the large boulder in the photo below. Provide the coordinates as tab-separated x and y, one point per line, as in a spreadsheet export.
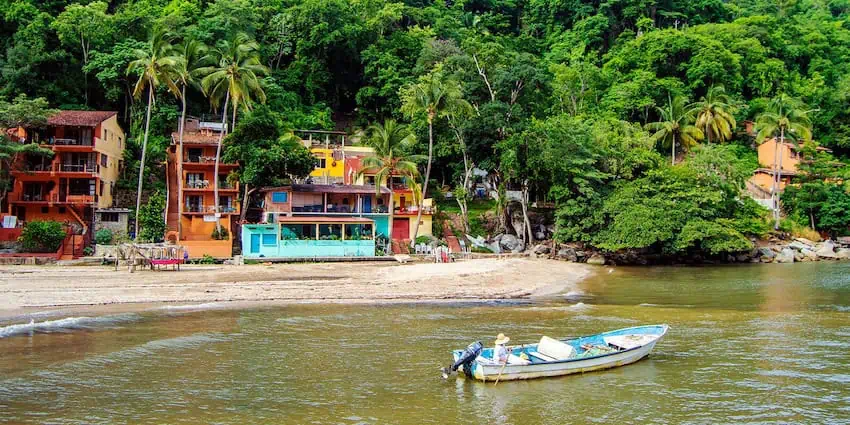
785	256
827	250
766	254
596	259
509	242
809	254
804	241
540	249
799	246
568	254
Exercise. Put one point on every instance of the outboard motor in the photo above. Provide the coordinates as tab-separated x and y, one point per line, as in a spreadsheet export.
470	353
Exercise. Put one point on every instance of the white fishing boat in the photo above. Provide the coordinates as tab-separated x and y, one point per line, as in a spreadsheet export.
552	357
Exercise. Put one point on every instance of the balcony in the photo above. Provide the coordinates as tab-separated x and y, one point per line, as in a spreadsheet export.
209	209
206	185
89	168
52	198
192	161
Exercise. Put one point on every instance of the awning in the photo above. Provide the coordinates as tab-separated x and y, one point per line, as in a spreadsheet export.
313	220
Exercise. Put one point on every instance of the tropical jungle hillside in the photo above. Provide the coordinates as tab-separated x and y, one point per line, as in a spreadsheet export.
628	116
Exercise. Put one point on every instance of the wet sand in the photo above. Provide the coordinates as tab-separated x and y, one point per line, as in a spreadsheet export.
24	288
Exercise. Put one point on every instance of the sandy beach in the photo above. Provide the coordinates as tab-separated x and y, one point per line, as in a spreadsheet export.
34	287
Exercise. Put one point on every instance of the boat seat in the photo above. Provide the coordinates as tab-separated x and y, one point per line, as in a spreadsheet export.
542	357
555	349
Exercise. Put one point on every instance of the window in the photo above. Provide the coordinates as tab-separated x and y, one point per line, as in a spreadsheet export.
370	179
321	161
44	210
330	231
109	217
269	239
103	161
358	231
279	197
119	143
298	231
61	210
105	134
101	189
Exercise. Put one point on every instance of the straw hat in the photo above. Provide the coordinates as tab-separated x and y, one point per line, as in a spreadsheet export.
502	339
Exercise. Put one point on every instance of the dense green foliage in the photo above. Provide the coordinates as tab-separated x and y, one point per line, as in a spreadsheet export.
151	220
42	236
577	102
103	237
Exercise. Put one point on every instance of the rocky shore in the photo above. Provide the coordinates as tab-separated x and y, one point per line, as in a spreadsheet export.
775	250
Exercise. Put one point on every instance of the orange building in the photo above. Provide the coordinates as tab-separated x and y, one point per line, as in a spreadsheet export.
775	157
88	149
191	214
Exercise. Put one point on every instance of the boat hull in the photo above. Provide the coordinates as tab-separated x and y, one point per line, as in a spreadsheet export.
484	372
484	369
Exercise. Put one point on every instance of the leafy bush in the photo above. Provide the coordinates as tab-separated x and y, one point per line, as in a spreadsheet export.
88	251
42	236
151	218
103	237
426	240
219	233
481	250
207	259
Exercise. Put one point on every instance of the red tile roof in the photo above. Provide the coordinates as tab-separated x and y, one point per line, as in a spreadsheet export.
196	138
80	118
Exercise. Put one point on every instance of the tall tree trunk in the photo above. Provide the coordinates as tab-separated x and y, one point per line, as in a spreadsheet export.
218	158
527	223
248	192
427	177
142	163
778	177
673	145
180	168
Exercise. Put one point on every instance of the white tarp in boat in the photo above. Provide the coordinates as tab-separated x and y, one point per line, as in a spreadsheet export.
629	341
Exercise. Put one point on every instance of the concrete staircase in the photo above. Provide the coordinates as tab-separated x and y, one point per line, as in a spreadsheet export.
172	217
401	247
451	240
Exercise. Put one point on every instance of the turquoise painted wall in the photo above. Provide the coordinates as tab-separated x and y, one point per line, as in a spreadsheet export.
382	224
298	248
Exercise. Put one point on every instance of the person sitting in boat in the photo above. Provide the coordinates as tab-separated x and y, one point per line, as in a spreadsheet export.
500	352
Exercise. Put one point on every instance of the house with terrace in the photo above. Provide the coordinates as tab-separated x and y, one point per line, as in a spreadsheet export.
79	179
191	213
318	220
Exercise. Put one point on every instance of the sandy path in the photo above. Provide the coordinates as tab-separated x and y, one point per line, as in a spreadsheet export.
22	286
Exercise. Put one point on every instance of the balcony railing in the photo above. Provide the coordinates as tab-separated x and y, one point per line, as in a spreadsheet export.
89	167
58	141
209	209
200	159
206	184
54	197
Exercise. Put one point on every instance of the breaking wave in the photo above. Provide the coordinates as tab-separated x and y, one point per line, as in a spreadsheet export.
66	324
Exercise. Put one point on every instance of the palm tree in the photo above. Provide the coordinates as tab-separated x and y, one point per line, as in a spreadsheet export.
155	67
434	95
389	141
785	117
192	55
713	114
675	122
235	79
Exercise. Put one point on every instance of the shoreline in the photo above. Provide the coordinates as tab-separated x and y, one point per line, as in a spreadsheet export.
25	291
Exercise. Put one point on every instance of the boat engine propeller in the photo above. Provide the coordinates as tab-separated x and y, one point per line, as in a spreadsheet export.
468	356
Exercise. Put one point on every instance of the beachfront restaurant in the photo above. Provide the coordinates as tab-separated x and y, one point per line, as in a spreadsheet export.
310	237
